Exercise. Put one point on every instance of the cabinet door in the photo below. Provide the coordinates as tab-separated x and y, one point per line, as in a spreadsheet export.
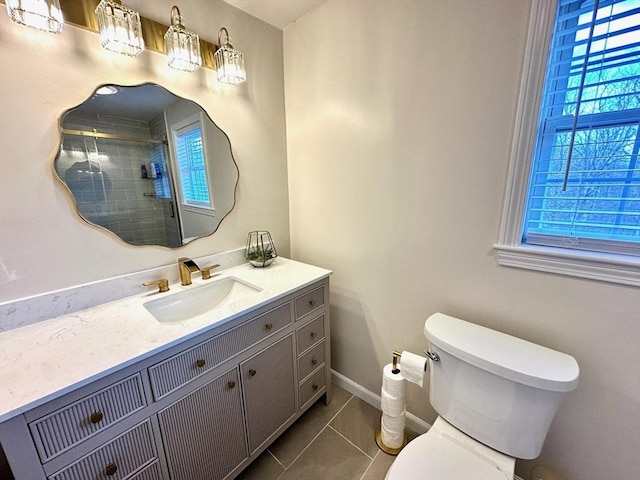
268	385
203	432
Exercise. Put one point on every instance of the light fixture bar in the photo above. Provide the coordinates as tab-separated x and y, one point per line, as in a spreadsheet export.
81	14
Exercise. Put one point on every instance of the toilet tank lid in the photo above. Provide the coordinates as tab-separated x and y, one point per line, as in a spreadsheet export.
504	355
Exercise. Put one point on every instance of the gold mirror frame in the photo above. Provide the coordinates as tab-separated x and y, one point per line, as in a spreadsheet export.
102	151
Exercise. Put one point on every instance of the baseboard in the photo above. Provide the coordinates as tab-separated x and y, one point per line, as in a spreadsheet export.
414	423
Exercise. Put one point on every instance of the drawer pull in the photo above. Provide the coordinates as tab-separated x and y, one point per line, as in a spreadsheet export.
231	385
312	303
252	372
314	361
200	362
111	469
268	326
96	417
314	387
313	334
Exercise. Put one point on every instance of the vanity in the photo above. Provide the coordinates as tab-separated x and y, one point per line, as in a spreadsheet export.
117	391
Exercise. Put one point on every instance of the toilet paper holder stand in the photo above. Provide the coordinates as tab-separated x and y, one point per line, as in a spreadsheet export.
396	357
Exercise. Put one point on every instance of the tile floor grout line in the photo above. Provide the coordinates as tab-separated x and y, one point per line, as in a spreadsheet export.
358	448
314	438
276	459
364	474
303	450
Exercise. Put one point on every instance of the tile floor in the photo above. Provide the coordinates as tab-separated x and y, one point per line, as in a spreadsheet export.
334	442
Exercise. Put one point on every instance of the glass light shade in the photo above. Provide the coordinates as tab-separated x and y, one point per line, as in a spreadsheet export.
183	46
120	29
41	14
229	62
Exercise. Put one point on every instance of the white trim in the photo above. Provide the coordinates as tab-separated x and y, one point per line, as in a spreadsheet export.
533	73
620	269
414	423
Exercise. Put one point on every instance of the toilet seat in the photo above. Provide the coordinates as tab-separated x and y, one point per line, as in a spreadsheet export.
442	454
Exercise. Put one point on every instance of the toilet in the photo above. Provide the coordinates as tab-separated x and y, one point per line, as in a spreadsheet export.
495	396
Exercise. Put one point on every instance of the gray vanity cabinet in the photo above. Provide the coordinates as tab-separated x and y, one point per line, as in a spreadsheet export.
200	410
203	433
268	375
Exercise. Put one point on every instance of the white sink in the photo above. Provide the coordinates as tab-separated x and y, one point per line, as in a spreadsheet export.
195	301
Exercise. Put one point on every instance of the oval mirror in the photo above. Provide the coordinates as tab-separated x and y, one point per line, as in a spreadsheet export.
147	165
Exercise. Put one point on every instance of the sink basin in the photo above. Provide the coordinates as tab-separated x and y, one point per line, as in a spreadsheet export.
190	303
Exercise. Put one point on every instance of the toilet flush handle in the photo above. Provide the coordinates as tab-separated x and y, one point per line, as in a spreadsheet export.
433	356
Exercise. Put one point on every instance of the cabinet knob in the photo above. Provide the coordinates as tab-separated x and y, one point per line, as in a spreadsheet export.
96	417
314	387
313	334
312	303
269	326
200	362
252	372
314	361
111	469
231	385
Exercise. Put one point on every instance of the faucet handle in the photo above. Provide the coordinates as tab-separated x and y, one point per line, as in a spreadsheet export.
163	284
206	271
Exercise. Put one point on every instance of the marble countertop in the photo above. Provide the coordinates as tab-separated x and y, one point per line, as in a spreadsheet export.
45	360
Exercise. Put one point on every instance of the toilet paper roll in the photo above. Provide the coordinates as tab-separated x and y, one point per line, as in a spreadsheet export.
393	423
392	430
392	405
393	383
391	439
412	367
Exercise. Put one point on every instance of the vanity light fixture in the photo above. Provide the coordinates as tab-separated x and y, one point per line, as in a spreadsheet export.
229	61
41	14
120	28
183	46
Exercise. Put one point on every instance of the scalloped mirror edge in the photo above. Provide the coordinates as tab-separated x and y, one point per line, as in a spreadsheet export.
146	166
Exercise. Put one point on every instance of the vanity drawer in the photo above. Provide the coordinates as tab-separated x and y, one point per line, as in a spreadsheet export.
310	334
176	371
117	459
70	425
311	386
309	301
311	360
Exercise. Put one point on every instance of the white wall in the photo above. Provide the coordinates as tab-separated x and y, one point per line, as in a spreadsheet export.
44	245
400	116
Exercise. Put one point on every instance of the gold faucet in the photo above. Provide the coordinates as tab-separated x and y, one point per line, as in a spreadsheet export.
206	271
162	284
187	267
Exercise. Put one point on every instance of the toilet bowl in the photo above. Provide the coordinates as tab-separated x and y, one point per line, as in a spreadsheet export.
444	453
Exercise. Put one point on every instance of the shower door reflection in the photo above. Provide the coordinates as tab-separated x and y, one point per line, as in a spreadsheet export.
122	185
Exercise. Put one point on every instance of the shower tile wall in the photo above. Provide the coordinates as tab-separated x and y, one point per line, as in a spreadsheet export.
117	198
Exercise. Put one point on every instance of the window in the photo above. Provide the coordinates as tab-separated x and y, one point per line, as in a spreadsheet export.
573	203
192	171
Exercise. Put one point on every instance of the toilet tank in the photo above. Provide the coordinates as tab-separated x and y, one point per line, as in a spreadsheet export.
500	390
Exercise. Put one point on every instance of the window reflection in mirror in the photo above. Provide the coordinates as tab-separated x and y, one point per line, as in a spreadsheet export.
148	166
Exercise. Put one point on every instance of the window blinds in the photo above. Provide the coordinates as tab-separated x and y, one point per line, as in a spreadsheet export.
193	175
585	183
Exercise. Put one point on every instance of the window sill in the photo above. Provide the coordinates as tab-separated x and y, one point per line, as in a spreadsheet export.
620	269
